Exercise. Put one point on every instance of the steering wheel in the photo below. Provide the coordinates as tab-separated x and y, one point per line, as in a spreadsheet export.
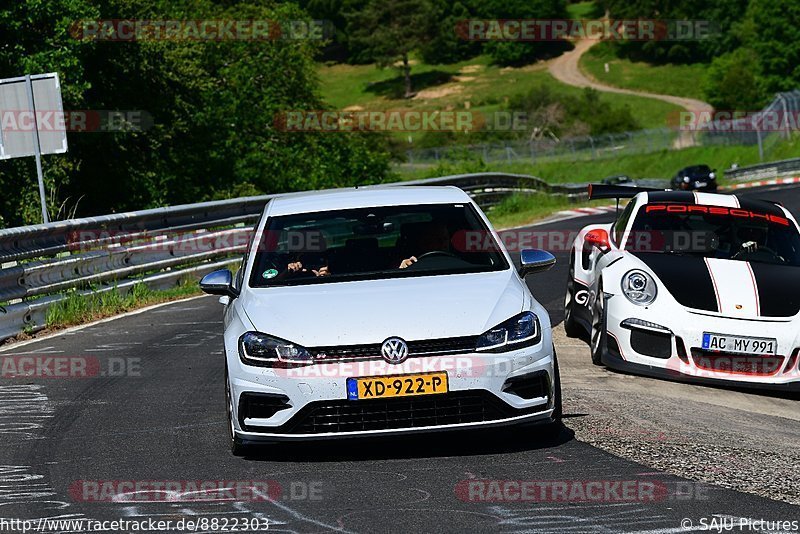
434	253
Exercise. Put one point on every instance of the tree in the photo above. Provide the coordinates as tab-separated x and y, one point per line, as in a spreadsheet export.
772	30
339	47
718	38
446	45
391	31
733	82
520	53
212	104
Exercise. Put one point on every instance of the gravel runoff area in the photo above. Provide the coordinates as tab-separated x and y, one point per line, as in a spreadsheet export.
735	439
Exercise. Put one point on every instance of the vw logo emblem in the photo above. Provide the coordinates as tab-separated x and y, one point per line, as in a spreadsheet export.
394	350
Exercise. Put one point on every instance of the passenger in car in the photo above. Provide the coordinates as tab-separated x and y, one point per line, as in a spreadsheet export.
308	254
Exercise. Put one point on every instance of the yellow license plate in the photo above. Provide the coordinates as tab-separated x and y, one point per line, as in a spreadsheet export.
384	387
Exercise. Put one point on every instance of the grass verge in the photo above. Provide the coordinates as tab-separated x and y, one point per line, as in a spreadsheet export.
662	164
519	210
676	80
78	309
584	10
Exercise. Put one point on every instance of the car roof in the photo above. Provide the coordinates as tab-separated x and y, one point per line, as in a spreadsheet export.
365	197
714	199
696	168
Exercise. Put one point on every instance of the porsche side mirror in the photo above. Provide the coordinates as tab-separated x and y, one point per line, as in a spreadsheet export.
219	283
534	261
598	239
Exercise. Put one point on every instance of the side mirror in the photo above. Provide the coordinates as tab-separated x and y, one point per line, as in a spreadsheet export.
219	283
535	261
599	239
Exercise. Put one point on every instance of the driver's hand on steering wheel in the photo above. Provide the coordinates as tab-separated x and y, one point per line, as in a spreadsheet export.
408	262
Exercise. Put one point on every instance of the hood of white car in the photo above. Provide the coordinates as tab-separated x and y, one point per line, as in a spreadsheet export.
361	312
738	289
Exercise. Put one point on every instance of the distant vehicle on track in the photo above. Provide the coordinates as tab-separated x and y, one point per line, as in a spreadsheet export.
692	286
619	179
696	178
382	310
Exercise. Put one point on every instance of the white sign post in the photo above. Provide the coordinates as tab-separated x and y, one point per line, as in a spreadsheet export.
22	100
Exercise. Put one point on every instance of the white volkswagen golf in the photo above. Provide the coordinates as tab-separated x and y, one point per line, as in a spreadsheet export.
382	310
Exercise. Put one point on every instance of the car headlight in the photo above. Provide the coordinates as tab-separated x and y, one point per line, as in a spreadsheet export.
263	350
712	175
520	331
639	287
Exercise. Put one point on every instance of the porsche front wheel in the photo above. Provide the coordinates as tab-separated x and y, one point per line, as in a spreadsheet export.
571	326
598	335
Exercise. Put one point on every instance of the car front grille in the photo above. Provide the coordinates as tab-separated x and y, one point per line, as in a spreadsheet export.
452	408
428	347
742	364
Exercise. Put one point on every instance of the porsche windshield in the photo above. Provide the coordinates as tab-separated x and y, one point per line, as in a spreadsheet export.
715	232
371	243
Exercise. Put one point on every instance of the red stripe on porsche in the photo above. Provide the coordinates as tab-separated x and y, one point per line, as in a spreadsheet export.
755	288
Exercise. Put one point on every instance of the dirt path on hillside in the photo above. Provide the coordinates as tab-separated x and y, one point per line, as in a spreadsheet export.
566	69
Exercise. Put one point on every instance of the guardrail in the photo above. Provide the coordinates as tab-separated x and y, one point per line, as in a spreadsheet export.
43	264
765	171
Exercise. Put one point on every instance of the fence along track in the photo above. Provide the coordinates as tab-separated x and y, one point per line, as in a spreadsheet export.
43	264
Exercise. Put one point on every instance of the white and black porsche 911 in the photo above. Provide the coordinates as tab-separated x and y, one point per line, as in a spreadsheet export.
687	285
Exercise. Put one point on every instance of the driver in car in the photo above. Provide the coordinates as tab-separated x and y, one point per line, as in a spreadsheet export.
431	237
751	238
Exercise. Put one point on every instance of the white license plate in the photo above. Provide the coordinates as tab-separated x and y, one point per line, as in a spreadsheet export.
740	344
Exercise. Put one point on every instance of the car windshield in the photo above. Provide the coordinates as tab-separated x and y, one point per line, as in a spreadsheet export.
697	170
715	232
373	243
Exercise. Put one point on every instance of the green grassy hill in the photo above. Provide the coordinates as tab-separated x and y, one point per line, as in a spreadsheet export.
475	84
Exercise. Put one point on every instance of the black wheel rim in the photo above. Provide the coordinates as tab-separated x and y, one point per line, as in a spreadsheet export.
597	322
569	298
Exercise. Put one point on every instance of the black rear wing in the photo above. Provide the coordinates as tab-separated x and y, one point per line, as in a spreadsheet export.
616	191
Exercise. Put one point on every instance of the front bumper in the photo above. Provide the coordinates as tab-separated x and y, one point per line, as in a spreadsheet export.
315	406
677	354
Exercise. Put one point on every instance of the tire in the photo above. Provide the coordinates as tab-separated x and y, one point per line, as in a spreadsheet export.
571	326
237	448
598	337
558	408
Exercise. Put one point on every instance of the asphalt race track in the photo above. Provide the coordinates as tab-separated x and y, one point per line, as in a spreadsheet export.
155	412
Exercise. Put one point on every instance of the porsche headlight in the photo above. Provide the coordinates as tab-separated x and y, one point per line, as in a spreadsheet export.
264	350
521	330
639	287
